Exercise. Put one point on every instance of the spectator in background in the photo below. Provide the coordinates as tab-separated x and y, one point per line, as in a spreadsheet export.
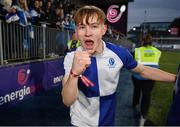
66	21
41	6
71	20
30	4
6	4
58	20
49	12
61	10
149	56
72	44
36	14
8	13
3	11
22	11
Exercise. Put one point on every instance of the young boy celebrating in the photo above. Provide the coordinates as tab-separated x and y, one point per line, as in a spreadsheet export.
92	71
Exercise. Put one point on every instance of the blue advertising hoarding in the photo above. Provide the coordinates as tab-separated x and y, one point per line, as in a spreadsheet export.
22	81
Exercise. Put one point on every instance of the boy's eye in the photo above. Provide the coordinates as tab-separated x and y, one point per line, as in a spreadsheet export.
94	26
81	27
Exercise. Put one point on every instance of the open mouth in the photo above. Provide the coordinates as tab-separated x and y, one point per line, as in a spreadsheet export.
89	44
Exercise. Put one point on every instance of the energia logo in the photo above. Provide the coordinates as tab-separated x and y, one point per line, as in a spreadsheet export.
112	13
19	94
23	76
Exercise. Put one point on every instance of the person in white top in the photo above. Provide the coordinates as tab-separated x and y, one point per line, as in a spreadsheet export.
92	71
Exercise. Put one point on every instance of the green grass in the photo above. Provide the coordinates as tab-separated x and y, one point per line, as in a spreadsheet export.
161	96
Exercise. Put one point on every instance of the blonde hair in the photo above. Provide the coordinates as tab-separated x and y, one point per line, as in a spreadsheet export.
87	12
6	4
23	5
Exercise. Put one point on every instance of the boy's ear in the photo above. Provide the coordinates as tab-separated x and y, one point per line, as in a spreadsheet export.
104	29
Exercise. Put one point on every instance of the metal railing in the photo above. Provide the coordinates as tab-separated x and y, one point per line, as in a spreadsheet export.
25	43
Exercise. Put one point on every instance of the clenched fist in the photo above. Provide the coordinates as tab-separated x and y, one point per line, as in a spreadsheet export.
81	61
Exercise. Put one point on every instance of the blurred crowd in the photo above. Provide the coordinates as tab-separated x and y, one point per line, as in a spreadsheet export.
53	13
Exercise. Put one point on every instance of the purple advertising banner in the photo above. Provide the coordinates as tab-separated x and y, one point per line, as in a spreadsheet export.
55	72
22	81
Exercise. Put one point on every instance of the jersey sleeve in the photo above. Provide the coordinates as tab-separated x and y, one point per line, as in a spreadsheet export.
128	61
68	62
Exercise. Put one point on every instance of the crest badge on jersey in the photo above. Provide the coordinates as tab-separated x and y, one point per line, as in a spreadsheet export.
111	63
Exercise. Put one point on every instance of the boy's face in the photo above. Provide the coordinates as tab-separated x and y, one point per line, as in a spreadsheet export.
90	34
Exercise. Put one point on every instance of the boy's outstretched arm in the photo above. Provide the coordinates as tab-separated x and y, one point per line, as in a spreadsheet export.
154	73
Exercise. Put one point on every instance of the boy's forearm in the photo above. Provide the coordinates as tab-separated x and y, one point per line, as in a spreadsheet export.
70	91
158	75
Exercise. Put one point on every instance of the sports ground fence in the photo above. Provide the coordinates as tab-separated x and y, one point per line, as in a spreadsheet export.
26	43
